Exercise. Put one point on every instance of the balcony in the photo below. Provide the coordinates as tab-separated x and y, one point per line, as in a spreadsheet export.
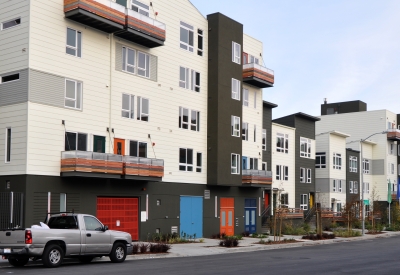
393	134
135	167
103	15
256	178
289	213
143	30
257	75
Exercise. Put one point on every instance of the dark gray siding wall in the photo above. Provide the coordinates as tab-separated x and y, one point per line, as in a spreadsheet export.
287	120
267	124
15	91
352	176
221	106
344	107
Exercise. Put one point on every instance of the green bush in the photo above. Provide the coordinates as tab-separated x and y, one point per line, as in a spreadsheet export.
346	233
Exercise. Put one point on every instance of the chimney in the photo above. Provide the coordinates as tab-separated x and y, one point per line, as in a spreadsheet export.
325	101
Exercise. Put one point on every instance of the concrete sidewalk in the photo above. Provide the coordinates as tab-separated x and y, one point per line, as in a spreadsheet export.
211	247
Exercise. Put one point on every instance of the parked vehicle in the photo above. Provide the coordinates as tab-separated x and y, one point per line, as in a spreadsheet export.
68	235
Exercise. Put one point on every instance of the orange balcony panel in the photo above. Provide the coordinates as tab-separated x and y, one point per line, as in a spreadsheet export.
257	75
252	179
393	134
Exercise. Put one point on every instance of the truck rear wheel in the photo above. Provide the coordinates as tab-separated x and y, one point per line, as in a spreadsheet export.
118	253
53	256
18	261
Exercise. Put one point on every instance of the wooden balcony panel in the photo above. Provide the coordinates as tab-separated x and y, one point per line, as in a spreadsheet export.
91	166
254	72
146	28
393	134
144	170
252	179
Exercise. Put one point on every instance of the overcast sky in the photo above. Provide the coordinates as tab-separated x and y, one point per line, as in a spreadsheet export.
343	50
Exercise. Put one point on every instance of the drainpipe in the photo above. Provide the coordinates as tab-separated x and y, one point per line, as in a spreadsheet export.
110	88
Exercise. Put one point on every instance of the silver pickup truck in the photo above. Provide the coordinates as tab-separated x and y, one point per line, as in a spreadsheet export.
69	236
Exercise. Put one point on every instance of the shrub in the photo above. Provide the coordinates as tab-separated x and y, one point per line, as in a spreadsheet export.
143	247
346	233
159	247
135	248
229	242
246	234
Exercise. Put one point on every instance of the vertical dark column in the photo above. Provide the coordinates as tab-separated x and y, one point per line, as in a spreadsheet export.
267	125
222	31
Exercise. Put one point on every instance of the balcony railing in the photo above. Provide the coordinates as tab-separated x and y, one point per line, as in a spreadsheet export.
289	213
393	134
92	162
257	177
103	15
257	75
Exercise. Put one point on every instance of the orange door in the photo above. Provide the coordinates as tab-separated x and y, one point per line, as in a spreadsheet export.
227	216
119	146
266	200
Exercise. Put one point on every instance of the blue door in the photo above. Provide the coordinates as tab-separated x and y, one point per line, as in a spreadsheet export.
191	217
250	207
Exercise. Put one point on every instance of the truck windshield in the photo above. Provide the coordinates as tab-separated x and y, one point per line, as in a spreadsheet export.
63	222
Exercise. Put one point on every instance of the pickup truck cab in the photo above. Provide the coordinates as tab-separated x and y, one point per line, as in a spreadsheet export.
69	235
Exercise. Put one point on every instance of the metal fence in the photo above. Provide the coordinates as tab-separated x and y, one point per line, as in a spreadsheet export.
11	210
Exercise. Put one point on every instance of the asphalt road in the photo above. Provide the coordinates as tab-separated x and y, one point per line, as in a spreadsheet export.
377	256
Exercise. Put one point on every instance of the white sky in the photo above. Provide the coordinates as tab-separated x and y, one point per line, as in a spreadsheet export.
343	49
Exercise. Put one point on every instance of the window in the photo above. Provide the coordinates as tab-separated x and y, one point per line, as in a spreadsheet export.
9	78
253	59
137	149
334	189
353	164
184	77
75	141
366	166
366	187
340	186
63	202
195	121
235	89
337	186
391	168
8	144
253	163
185	159
184	119
264	166
302	174
128	60
195	81
285	199
305	147
187	37
282	143
73	94
355	187
282	172
337	161
143	109
320	160
351	187
235	121
235	163
10	23
140	7
245	131
143	68
74	42
304	201
308	175
264	139
127	106
255	100
92	224
391	149
255	133
236	52
199	42
245	97
198	162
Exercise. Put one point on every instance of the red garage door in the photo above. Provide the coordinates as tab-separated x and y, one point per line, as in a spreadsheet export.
120	214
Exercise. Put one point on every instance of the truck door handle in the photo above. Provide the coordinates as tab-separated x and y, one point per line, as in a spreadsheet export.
89	235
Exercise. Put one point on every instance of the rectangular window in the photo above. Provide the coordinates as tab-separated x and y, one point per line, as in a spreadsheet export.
366	187
264	166
304	201
255	133
75	141
143	68
195	121
236	52
74	42
308	175
140	7
302	175
9	78
235	123
355	187
185	159
366	166
245	131
137	149
245	97
351	187
128	106
184	77
253	163
198	162
199	42
282	143
391	168
253	59
340	186
285	199
143	109
305	147
195	81
128	60
320	160
255	100
235	163
353	164
184	119
73	94
10	23
186	37
235	89
282	172
63	202
337	161
334	186
264	139
8	144
278	172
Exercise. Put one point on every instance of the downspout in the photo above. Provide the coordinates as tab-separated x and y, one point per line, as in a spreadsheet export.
110	88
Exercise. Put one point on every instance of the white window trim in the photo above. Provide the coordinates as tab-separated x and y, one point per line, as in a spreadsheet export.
184	43
77	41
307	145
318	156
308	175
6	145
284	138
76	144
236	56
76	94
304	198
334	186
355	185
200	35
265	165
353	164
282	172
147	67
245	128
235	120
264	140
235	84
336	158
125	64
351	187
131	110
193	85
141	8
237	167
245	97
302	175
366	164
201	164
186	164
140	109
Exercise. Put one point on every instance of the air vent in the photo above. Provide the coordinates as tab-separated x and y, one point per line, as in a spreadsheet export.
174	229
206	194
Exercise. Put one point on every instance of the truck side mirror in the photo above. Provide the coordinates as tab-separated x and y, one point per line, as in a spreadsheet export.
105	228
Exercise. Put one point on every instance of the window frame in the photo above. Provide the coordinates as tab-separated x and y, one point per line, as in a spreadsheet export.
11	20
140	8
199	155
302	175
284	199
245	131
184	83
366	164
282	172
137	145
188	166
195	77
264	140
235	85
9	81
131	111
200	42
190	29
8	143
78	47
305	143
264	166
253	162
284	138
334	186
77	93
308	175
245	97
125	58
76	141
304	201
235	170
255	133
337	161
139	69
355	185
235	121
319	156
236	56
140	113
353	163
351	187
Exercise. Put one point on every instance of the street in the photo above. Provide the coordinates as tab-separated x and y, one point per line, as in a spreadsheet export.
375	256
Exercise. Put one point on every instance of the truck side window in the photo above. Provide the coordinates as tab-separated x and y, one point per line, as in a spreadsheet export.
63	222
92	224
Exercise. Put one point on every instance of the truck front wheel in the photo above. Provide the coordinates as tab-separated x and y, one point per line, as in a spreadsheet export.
18	261
118	253
53	256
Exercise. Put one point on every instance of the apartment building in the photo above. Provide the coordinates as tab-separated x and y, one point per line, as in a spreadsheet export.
133	113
